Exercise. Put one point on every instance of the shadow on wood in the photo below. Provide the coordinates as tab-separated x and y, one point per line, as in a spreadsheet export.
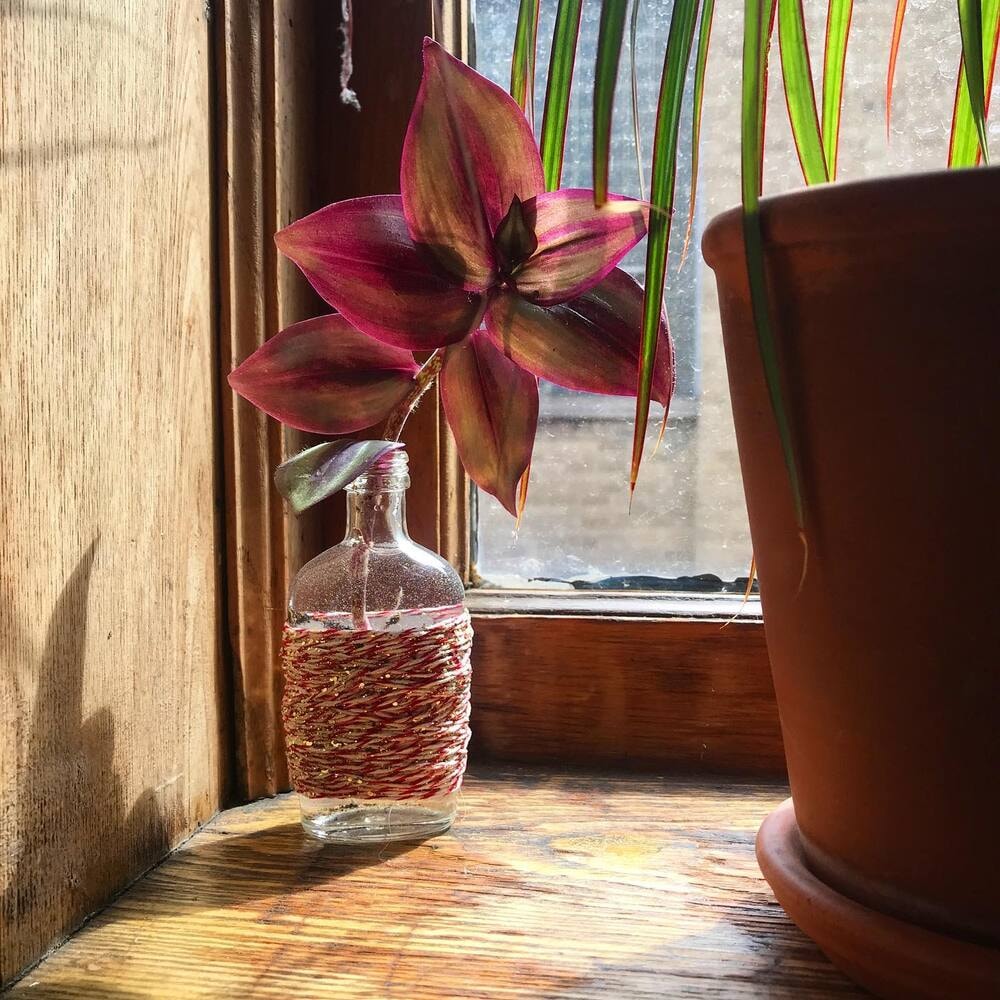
66	757
233	870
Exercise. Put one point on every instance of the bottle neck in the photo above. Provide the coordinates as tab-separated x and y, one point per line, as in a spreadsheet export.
376	517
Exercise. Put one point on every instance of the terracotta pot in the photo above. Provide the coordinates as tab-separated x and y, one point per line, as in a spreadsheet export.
886	302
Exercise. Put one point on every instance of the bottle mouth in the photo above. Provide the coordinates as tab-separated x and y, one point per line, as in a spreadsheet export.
390	472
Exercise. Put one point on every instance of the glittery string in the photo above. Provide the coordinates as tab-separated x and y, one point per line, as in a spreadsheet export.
377	715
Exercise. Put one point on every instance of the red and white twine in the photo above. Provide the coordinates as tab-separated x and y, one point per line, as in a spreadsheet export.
377	715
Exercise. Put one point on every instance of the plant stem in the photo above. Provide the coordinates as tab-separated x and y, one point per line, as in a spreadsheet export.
394	424
359	573
426	377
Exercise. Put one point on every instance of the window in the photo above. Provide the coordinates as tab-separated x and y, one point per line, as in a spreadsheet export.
688	518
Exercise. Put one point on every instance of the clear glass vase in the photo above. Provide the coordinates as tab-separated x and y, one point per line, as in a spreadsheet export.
376	695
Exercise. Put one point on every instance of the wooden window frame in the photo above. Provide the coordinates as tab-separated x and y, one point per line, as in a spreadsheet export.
640	681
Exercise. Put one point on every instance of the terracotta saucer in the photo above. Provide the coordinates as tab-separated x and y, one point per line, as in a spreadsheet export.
888	956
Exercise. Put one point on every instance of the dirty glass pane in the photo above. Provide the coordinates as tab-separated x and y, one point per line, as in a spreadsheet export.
688	519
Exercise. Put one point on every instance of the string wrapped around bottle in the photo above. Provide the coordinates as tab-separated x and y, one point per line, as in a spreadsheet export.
377	714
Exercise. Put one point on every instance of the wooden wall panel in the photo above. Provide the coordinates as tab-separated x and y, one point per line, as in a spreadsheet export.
273	60
638	693
258	550
110	742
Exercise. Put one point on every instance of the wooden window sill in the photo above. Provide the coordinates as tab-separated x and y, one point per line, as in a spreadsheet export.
550	885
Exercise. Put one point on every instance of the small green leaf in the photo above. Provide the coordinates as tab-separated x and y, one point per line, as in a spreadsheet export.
319	472
838	29
609	50
796	74
964	149
970	19
677	57
562	57
522	62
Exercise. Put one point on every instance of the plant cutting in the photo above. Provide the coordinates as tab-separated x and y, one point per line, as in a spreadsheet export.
861	427
503	282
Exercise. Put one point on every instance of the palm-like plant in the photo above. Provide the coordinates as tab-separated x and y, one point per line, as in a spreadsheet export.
815	127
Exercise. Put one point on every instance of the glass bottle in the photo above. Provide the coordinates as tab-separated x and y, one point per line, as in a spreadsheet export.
377	580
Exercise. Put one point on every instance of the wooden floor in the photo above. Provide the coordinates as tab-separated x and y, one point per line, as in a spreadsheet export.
549	886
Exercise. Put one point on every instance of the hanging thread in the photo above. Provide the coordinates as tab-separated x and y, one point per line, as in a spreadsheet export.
377	715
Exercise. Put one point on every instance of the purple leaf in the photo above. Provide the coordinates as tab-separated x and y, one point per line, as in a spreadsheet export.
324	376
515	239
578	244
492	409
590	343
468	153
359	256
319	472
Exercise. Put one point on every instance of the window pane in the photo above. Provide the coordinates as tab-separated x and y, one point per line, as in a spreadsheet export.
688	517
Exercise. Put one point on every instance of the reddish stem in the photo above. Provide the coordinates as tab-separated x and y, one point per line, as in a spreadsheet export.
394	424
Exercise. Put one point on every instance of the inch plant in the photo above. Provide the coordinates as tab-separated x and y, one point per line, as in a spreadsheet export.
503	280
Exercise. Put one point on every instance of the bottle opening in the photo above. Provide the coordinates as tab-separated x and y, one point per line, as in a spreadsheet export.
390	472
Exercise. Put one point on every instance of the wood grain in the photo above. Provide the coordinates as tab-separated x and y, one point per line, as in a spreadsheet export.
110	743
550	885
690	696
269	59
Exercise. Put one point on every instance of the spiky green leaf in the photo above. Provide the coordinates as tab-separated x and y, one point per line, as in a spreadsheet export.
890	76
633	41
700	63
964	149
522	61
562	57
970	19
677	57
796	74
759	16
609	50
838	29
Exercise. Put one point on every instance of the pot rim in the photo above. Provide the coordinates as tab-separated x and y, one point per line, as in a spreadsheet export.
881	951
936	203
